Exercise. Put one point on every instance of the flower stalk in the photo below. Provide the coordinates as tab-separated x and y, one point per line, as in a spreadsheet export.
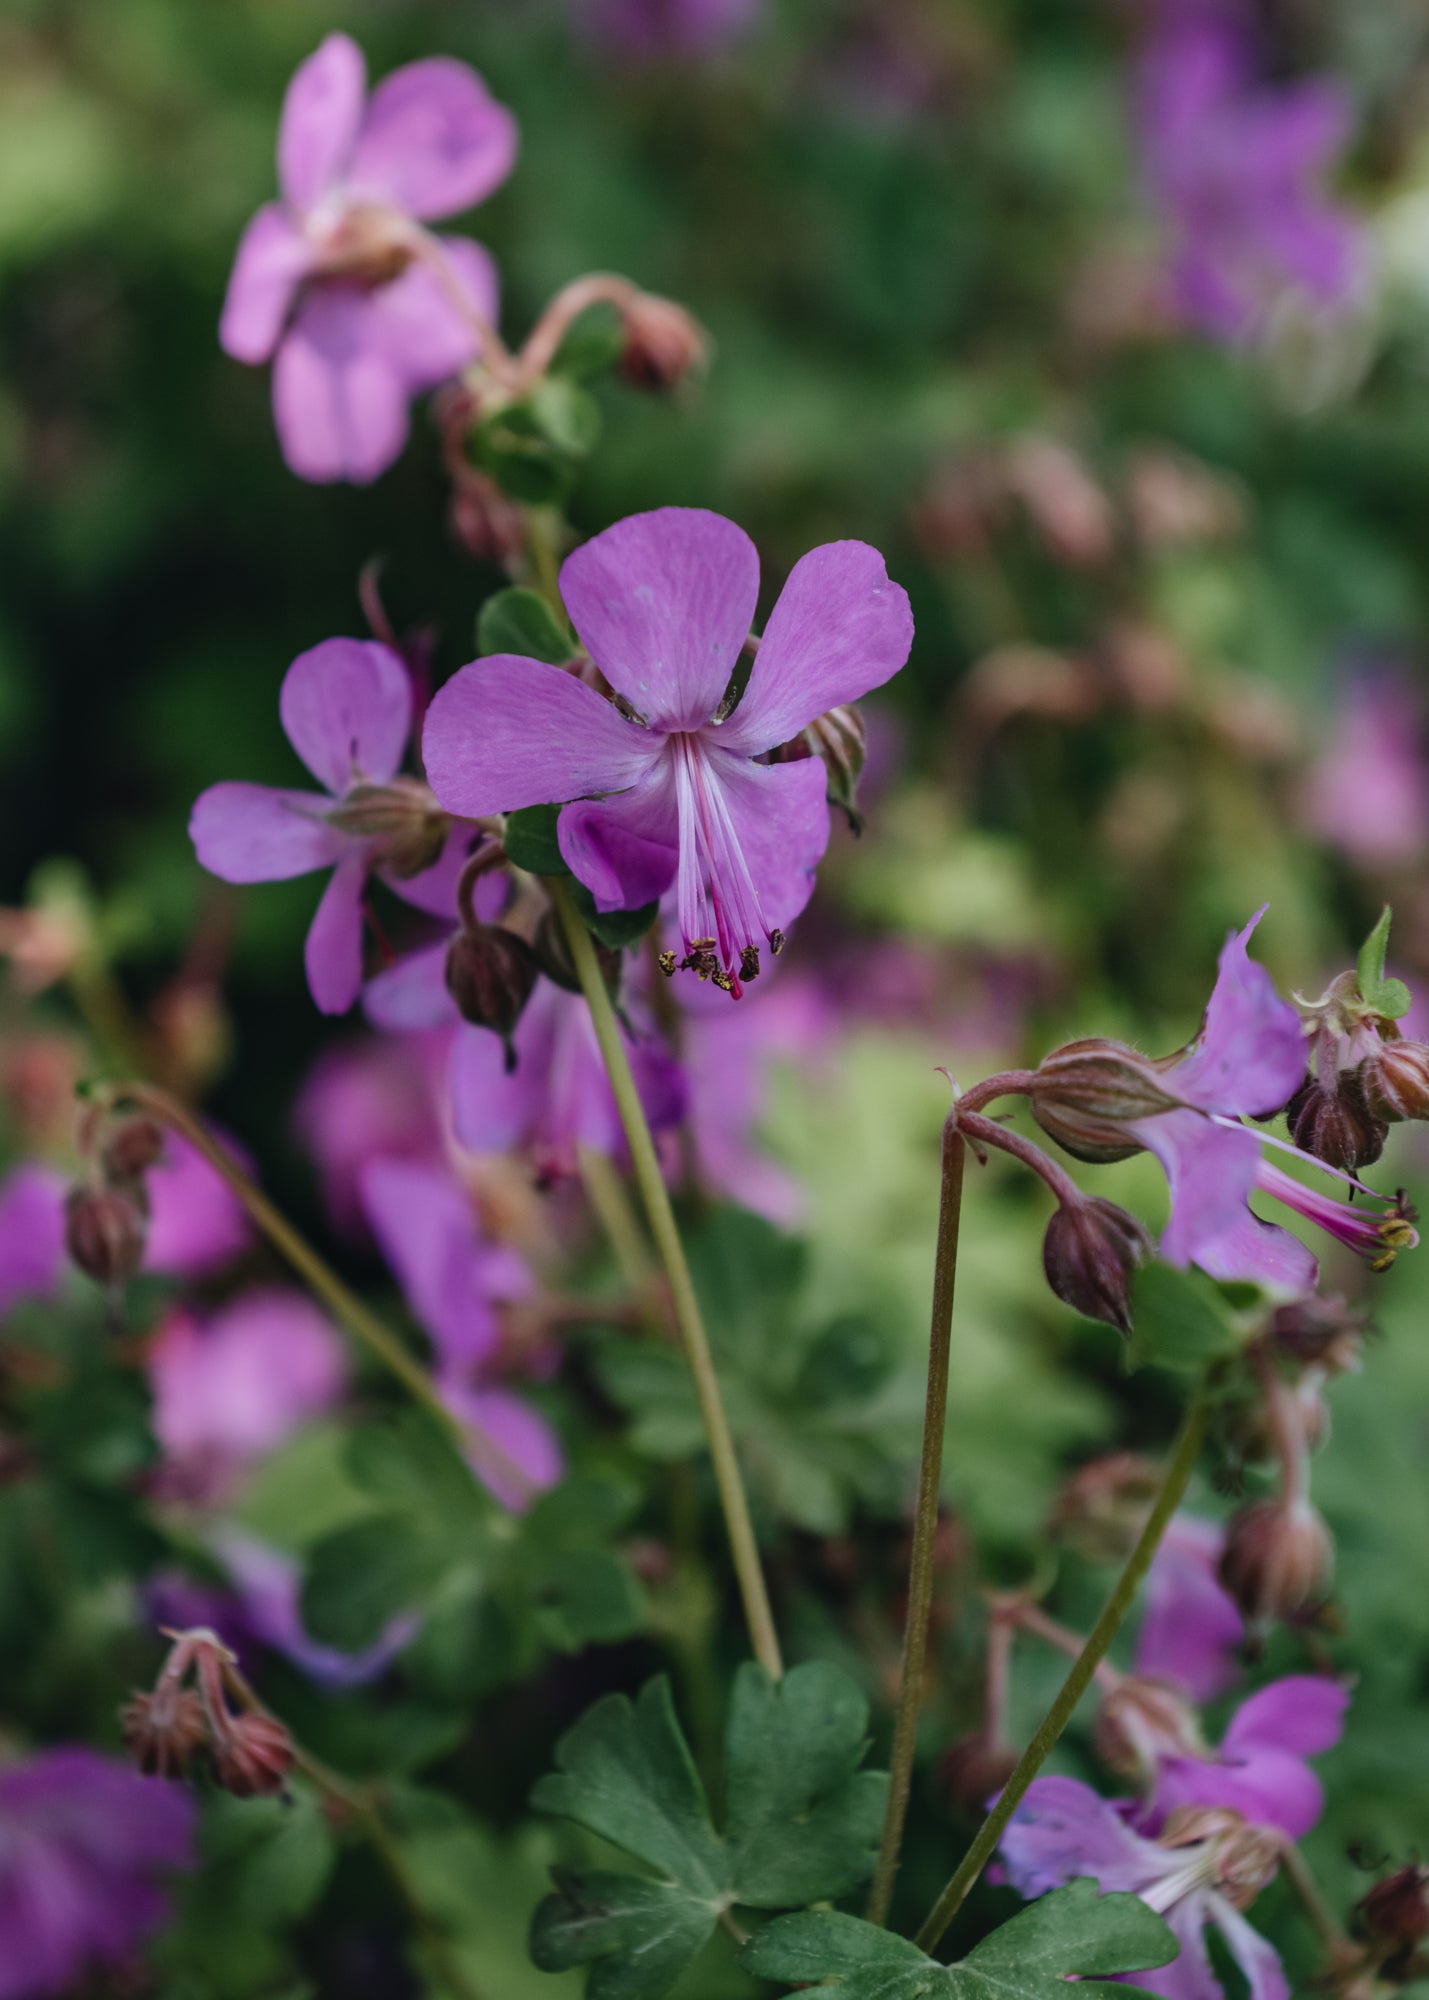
661	1217
925	1523
1178	1474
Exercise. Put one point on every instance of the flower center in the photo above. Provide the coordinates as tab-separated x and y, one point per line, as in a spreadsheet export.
363	242
721	922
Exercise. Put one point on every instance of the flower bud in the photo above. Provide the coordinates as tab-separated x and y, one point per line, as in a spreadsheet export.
402	816
164	1730
1140	1721
1102	1508
252	1756
974	1769
105	1231
1089	1253
491	974
1278	1559
1084	1095
1319	1332
839	737
663	343
1395	1912
1335	1123
1396	1080
131	1148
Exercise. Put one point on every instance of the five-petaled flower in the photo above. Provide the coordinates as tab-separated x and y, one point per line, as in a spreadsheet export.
357	305
664	785
346	708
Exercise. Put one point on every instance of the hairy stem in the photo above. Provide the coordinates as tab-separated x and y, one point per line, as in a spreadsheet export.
743	1547
1178	1473
320	1278
925	1525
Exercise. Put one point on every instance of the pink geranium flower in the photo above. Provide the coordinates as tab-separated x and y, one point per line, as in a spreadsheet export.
1191	1630
664	785
346	708
358	307
1260	1769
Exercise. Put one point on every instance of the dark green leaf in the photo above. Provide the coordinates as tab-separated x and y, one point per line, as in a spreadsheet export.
530	840
617	928
363	1575
1074	1932
1181	1320
637	1935
410	1463
520	621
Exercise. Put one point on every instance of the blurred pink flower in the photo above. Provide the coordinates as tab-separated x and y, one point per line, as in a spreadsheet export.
32	1234
374	1099
1191	1629
644	30
196	1221
1368	793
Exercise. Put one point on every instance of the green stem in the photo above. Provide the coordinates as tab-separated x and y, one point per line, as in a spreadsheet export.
1178	1474
543	544
661	1217
925	1525
320	1277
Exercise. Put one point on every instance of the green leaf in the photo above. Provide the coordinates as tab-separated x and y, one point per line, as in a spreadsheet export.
1180	1318
617	928
566	415
1073	1932
521	621
802	1822
409	1463
363	1575
1390	997
591	345
530	840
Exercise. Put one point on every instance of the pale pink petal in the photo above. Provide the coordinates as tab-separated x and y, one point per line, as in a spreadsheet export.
1211	1169
840	627
1259	1961
240	1385
625	849
433	142
256	833
321	115
273	259
507	732
664	602
412	994
346	708
339	403
1191	1631
332	954
780	817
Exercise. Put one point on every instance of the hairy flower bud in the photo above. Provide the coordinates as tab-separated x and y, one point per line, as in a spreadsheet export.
1140	1721
164	1730
1278	1559
491	974
131	1148
1084	1094
1395	1912
974	1769
663	343
1396	1080
252	1756
1102	1508
105	1230
1335	1123
1089	1253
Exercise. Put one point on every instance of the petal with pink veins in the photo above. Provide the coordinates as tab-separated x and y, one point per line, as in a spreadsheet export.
256	833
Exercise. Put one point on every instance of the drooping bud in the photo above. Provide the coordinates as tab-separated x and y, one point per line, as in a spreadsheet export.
252	1756
164	1730
972	1771
1395	1912
1335	1123
1102	1508
1089	1253
1319	1332
131	1147
491	974
106	1229
1396	1080
663	343
1084	1095
1278	1559
840	738
1140	1721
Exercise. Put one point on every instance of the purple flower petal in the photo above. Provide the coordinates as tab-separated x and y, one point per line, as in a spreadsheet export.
196	1221
1249	1056
625	849
433	141
237	1387
273	259
434	890
780	818
1270	1789
256	833
839	628
346	707
321	115
32	1234
332	954
425	1228
518	1433
364	1100
664	601
1189	1975
1064	1829
339	403
1304	1714
508	732
1258	1960
412	994
1211	1169
269	1589
416	323
1191	1630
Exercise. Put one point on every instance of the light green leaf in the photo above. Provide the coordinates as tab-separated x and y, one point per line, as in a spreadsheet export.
520	621
1180	1318
1390	997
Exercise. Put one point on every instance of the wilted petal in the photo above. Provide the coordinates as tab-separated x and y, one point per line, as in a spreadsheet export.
1249	1056
273	259
839	628
339	403
433	142
346	708
321	114
32	1234
664	602
412	994
508	732
625	849
332	954
1258	1960
256	833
